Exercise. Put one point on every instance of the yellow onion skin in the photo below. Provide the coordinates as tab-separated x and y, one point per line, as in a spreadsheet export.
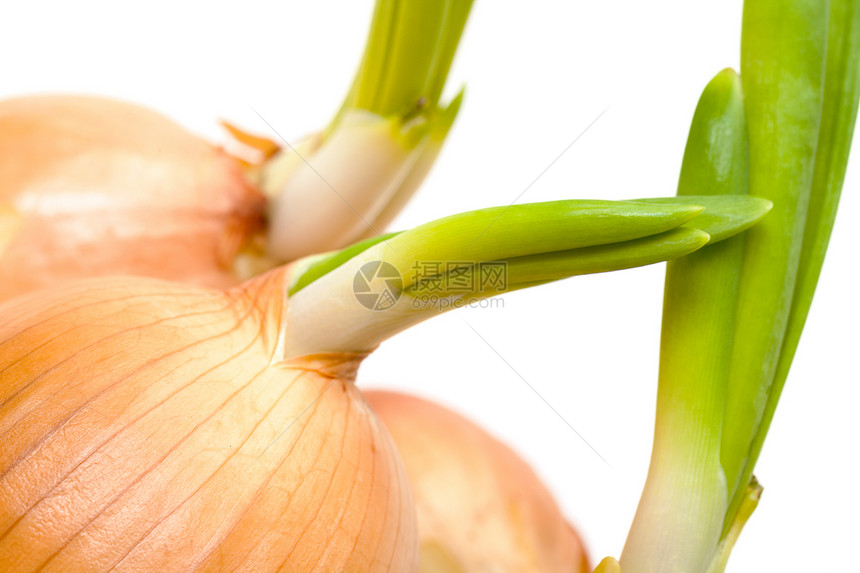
148	425
102	187
480	507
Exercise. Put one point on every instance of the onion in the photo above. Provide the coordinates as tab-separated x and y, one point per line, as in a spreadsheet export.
479	506
105	187
147	426
92	187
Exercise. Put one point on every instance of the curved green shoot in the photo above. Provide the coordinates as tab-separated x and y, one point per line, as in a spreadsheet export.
534	270
541	227
716	216
460	259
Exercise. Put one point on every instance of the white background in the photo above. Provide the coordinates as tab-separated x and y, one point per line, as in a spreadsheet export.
537	74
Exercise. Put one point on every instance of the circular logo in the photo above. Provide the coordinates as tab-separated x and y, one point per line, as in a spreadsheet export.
377	285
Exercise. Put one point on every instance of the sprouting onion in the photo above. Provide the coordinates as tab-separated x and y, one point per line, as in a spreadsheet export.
91	186
154	425
555	240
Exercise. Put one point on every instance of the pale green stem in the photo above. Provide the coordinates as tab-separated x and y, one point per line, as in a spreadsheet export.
331	200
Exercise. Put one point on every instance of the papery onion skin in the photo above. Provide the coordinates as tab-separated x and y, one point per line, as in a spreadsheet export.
147	425
480	507
104	187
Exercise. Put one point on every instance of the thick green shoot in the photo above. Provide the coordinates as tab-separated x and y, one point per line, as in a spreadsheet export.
679	521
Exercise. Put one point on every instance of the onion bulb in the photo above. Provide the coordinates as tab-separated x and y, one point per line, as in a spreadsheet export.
479	506
148	425
105	187
92	187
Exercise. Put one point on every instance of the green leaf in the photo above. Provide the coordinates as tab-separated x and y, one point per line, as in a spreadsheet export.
782	65
833	143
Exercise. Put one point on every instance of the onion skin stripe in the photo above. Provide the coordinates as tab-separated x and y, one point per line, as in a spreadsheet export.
399	529
366	509
260	490
279	469
184	293
328	487
252	555
142	539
